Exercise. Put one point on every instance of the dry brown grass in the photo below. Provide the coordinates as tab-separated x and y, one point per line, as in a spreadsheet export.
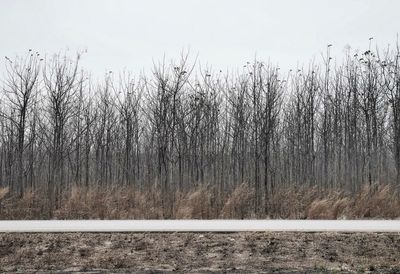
29	206
378	201
196	204
110	203
239	204
3	192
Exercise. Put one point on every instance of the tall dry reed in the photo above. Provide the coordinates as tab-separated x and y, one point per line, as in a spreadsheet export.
378	201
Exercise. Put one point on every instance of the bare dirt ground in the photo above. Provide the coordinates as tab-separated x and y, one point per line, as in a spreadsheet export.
246	252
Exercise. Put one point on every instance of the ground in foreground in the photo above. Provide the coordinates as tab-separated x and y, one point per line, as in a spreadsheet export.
201	252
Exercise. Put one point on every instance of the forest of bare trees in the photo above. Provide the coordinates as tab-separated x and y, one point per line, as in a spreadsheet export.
329	125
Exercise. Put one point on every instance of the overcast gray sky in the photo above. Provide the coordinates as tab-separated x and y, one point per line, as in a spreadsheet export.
223	33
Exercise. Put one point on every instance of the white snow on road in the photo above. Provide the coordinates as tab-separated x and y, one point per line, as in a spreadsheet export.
200	225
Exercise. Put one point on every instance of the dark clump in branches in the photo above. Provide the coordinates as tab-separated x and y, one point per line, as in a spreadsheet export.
180	129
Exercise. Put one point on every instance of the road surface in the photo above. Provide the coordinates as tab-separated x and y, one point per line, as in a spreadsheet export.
201	226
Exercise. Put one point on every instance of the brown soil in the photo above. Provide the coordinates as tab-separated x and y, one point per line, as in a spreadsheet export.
201	252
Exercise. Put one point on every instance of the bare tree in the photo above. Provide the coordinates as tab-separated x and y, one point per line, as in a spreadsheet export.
60	81
21	87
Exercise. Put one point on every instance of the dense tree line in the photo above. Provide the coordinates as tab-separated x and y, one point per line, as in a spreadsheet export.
331	125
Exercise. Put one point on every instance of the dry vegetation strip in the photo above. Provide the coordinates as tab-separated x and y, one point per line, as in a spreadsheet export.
201	252
381	201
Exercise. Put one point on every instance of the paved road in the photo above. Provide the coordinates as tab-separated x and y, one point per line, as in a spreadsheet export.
200	225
